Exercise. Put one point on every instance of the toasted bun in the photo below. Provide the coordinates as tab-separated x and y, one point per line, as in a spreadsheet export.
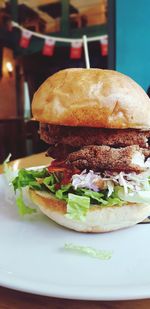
93	98
99	219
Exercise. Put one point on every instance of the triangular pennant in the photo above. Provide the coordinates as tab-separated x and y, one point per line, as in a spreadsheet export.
104	46
48	48
76	50
25	38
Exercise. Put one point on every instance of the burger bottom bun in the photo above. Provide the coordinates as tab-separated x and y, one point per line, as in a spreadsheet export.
99	219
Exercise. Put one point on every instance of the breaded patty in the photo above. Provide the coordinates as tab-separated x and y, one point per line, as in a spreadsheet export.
99	158
84	136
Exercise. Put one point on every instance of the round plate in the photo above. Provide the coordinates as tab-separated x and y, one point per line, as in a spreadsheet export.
33	258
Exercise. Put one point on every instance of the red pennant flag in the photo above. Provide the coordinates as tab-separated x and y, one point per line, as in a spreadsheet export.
25	38
48	48
104	46
76	50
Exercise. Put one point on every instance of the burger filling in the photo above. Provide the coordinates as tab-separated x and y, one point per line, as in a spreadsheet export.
98	149
92	166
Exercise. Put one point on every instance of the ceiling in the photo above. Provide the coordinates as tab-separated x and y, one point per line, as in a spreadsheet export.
92	10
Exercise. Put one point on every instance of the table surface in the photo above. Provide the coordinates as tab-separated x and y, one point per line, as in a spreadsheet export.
18	300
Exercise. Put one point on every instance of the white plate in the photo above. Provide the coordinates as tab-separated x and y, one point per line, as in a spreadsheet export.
33	259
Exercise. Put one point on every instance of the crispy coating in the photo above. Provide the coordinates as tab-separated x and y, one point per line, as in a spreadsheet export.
96	148
99	158
84	136
61	151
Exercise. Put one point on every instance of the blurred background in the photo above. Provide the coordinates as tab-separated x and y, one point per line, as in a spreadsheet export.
40	37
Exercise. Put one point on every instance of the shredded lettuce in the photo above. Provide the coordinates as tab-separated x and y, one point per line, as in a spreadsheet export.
100	198
50	182
23	209
97	198
124	188
94	196
97	181
9	175
27	178
18	182
115	199
99	254
135	197
77	207
78	200
8	171
62	193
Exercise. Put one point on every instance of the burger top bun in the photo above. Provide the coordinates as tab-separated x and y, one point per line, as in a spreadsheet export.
99	219
93	98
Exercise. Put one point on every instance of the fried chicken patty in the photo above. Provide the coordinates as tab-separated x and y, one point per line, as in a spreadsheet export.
99	158
96	148
84	136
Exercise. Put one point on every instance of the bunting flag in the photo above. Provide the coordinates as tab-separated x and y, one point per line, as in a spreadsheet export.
76	50
25	38
48	48
50	42
104	46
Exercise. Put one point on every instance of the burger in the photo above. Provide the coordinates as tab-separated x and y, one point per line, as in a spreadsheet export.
96	123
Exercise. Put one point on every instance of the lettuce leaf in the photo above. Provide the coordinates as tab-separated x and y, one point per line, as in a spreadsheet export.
50	182
19	182
22	207
62	193
77	207
8	170
101	198
92	252
29	178
33	179
94	196
114	199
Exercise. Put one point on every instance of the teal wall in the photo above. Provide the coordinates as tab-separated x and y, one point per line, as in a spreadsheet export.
133	39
